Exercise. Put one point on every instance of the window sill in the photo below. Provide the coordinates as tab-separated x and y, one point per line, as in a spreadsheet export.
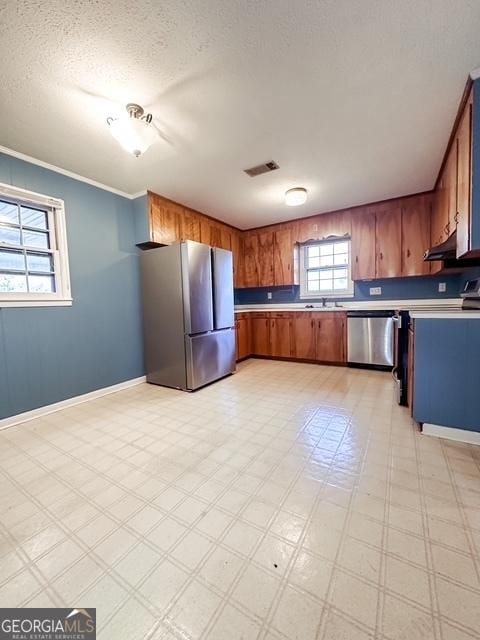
327	296
64	302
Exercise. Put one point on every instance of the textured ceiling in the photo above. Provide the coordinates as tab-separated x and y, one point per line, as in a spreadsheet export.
353	98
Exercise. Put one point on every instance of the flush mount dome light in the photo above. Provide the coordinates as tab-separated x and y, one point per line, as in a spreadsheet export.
295	196
133	130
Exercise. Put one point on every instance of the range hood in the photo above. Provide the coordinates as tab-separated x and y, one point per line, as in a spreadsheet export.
444	251
447	251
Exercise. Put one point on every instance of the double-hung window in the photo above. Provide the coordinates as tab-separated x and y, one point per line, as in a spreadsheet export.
33	249
325	269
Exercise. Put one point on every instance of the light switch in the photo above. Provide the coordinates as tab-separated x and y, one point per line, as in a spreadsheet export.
442	287
269	295
375	291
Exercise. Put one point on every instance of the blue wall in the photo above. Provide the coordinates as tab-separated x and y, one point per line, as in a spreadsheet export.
49	354
392	289
447	353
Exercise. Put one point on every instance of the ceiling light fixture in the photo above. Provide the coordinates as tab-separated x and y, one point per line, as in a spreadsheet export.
295	196
133	130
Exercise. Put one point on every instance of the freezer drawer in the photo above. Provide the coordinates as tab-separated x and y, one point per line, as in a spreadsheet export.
370	340
209	356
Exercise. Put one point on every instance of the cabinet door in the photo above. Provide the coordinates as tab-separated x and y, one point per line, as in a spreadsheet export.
283	257
304	336
260	336
243	338
210	232
237	339
250	252
190	228
464	180
225	237
165	220
415	235
330	336
388	241
264	258
281	337
363	244
451	190
237	250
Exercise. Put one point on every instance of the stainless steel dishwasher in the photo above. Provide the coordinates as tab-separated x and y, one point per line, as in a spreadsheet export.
370	339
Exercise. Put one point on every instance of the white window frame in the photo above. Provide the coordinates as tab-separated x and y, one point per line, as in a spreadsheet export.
58	237
344	293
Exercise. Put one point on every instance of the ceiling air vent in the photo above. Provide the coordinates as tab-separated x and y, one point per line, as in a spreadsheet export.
262	168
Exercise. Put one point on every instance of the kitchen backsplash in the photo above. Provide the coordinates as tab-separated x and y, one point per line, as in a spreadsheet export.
392	289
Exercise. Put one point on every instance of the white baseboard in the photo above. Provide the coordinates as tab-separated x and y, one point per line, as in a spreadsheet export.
460	435
70	402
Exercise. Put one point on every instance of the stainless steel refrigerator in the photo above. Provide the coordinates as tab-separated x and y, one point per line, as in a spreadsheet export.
188	314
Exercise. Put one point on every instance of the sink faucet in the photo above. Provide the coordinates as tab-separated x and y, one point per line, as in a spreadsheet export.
324	302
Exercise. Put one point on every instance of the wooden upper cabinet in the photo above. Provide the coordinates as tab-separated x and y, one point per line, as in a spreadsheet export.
304	344
330	336
264	258
415	235
210	232
237	250
451	191
250	252
337	223
225	237
283	257
190	228
388	240
464	180
363	244
165	219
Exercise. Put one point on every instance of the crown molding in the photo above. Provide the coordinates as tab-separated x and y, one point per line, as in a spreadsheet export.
69	174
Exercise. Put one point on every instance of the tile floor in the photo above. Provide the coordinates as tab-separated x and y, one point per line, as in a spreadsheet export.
288	502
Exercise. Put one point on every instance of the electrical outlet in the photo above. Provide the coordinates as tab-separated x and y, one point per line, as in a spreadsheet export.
375	291
269	295
442	287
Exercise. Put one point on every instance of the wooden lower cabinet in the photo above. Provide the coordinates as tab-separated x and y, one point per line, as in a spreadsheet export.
305	347
260	334
243	335
330	340
314	336
281	337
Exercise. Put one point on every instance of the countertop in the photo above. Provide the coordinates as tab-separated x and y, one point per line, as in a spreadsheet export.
446	314
432	306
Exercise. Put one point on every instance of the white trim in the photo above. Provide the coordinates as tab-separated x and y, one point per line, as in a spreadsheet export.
304	294
69	174
475	73
449	433
70	402
58	235
139	194
67	302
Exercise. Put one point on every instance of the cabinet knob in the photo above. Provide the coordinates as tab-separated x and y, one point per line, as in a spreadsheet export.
356	259
408	253
381	255
456	217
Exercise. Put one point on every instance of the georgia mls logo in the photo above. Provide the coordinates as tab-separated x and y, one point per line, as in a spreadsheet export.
48	624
